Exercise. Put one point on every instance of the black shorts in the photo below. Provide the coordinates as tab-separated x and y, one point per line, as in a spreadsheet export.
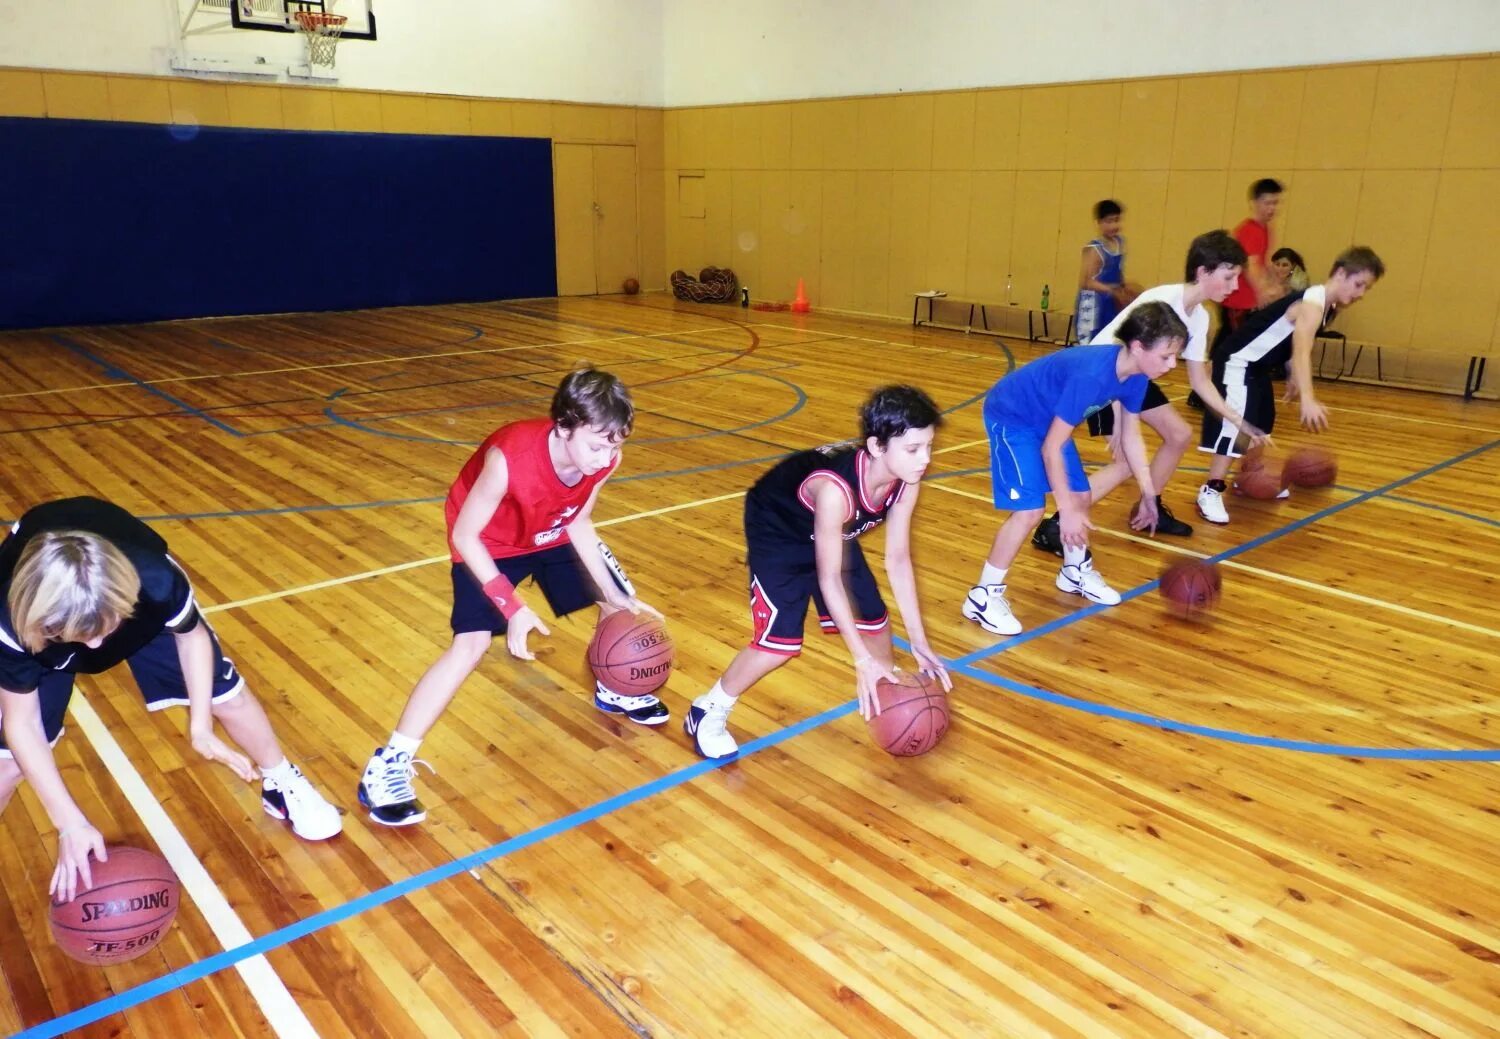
1102	422
564	583
158	674
781	585
1250	393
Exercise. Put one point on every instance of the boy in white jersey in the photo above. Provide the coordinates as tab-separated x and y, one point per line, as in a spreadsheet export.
1214	264
1245	360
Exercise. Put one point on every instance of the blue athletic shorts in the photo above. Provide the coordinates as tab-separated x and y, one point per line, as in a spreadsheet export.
1018	478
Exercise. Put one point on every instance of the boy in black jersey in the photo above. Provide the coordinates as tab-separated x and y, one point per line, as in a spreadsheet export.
802	520
84	586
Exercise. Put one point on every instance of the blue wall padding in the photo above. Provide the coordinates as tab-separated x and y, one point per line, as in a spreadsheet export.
104	221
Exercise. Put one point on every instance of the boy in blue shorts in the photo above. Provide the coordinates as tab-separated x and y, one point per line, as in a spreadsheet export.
1030	416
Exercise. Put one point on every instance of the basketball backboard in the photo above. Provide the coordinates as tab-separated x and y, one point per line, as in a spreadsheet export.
276	15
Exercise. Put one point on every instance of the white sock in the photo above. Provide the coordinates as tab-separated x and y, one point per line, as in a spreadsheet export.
278	773
403	744
716	697
992	574
1074	556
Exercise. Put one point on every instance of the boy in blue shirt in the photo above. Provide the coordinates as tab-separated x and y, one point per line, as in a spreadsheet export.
1030	416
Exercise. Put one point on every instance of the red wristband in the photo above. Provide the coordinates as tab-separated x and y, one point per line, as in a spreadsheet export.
502	593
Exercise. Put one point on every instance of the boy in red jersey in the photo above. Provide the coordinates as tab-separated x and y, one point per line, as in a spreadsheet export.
521	507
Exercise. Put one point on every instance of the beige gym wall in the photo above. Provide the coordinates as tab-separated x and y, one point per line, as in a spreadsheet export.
870	199
146	99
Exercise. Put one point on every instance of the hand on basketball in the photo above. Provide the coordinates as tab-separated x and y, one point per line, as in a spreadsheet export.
638	607
215	749
1254	435
522	624
867	673
1075	527
1314	416
73	847
1144	516
932	664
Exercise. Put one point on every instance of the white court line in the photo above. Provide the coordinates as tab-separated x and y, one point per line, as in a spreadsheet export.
1340	593
334	582
270	992
375	360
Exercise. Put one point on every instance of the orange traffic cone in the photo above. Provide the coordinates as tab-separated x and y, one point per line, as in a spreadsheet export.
800	304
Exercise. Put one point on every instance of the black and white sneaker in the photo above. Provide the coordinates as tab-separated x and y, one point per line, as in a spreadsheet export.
1048	536
387	791
643	710
1166	523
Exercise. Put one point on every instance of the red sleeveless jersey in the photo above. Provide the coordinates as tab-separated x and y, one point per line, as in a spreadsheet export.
537	506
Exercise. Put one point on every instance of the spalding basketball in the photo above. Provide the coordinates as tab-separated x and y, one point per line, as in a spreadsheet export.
1191	587
632	286
1253	459
913	714
1310	467
126	912
630	654
1258	483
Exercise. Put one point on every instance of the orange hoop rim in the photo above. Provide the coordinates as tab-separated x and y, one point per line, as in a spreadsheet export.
314	21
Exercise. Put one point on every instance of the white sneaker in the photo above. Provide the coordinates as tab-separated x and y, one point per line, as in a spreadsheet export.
1084	580
708	724
1211	505
986	606
296	801
643	710
1286	492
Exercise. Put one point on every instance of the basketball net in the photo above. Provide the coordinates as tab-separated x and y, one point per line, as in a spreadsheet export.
322	30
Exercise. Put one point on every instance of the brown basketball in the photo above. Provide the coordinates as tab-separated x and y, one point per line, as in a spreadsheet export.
632	286
1310	467
1258	483
631	654
1253	459
1191	587
913	714
125	913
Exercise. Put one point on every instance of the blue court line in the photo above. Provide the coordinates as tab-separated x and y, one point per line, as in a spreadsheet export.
1237	550
176	979
113	372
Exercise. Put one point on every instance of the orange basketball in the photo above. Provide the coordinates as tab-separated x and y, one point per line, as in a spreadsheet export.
913	714
631	286
1310	467
1191	587
631	654
1258	483
1253	459
126	912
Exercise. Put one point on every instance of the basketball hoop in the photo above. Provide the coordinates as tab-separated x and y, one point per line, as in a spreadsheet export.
322	31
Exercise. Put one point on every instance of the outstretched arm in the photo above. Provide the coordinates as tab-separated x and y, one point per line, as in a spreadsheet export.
76	836
904	583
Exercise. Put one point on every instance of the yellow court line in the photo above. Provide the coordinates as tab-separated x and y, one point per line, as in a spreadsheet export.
355	364
1383	415
1340	593
960	447
334	582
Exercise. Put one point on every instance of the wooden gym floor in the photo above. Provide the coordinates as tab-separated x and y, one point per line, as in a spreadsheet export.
1280	823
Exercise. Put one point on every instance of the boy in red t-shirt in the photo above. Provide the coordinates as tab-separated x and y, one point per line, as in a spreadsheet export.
1258	286
521	507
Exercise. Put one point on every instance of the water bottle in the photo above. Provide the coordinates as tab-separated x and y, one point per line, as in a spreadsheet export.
1046	296
744	295
1009	299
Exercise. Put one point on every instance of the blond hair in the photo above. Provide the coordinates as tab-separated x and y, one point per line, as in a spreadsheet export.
70	586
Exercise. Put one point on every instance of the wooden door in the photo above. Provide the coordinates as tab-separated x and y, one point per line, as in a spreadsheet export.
598	243
573	208
616	234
